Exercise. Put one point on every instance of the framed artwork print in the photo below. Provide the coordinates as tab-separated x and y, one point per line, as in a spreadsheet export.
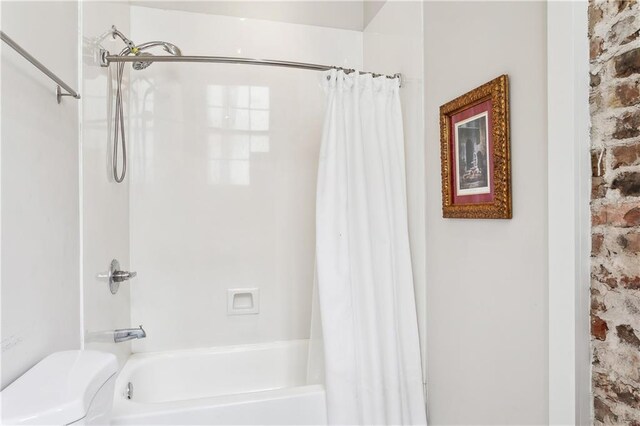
475	153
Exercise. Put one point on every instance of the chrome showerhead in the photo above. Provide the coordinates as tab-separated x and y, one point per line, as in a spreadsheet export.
141	64
138	50
170	48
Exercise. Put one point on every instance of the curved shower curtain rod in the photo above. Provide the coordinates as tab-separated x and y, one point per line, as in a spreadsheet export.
141	59
107	58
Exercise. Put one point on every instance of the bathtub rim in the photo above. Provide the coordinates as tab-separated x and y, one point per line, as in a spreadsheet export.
123	407
135	357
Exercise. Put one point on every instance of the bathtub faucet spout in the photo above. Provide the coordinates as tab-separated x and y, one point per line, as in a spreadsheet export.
124	334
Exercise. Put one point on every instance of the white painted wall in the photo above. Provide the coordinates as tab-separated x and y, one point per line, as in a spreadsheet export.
40	185
217	202
393	42
370	9
105	203
569	216
343	14
487	279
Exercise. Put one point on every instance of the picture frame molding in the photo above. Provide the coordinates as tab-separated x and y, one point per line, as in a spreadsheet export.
497	91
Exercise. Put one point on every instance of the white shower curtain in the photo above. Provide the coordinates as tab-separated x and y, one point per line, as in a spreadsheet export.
367	304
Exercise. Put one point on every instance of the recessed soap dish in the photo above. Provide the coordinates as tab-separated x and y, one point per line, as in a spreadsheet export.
243	301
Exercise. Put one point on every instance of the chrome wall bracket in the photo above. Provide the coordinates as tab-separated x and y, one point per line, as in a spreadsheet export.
104	62
60	94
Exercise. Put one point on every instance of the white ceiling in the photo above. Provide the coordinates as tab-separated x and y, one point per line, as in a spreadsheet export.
350	15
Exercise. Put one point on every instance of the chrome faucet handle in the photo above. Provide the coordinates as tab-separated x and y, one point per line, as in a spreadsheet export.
119	276
116	276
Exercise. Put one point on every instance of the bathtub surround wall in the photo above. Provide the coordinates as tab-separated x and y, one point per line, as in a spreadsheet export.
105	204
614	29
40	187
487	279
223	172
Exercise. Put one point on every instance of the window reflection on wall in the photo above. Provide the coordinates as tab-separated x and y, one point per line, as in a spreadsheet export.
140	140
238	119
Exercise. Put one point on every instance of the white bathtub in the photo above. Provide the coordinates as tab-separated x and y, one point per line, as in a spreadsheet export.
249	384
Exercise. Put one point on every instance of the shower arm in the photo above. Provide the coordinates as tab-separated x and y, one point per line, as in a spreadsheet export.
130	45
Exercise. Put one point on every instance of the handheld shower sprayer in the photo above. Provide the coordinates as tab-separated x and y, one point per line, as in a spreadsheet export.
139	51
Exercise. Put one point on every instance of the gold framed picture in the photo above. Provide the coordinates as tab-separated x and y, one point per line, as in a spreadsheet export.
475	153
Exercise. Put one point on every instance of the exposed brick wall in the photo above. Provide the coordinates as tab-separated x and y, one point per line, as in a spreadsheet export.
614	32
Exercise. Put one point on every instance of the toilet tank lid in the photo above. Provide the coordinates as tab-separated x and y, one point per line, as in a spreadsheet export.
59	389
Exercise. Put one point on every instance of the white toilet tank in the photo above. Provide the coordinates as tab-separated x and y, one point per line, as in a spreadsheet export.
70	387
